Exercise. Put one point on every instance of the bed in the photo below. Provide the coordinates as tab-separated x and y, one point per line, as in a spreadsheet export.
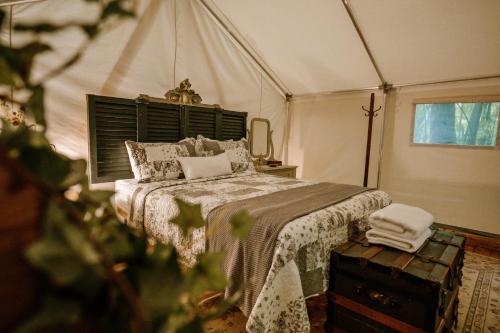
299	266
299	256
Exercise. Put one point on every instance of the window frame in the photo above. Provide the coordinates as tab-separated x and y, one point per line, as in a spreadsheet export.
449	100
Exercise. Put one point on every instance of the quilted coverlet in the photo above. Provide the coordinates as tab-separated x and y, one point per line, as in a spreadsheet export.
299	266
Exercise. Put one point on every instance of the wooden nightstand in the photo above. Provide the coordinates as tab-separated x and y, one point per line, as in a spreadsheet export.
282	171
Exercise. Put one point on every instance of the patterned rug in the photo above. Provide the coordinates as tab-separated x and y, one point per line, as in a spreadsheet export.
479	307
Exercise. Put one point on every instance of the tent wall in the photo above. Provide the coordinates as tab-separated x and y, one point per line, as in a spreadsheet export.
168	42
328	137
459	186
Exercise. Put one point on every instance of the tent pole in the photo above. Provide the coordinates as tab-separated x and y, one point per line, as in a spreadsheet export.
472	78
382	136
17	2
287	128
264	67
370	113
338	92
363	40
335	92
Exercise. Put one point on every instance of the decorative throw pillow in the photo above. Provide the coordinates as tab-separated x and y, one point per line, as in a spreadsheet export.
237	152
204	167
240	159
217	147
189	143
155	161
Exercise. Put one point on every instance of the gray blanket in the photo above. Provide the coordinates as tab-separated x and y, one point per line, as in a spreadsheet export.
247	262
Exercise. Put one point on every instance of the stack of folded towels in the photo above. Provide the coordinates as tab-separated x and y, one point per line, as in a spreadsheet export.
400	226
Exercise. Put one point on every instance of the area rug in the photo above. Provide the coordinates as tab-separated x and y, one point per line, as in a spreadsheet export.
479	307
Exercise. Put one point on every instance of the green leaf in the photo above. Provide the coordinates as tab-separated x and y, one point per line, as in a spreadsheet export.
6	74
78	169
57	260
98	195
241	224
117	239
2	16
15	138
21	60
35	105
64	253
42	27
115	8
38	139
46	164
189	216
207	274
91	30
78	242
161	283
55	315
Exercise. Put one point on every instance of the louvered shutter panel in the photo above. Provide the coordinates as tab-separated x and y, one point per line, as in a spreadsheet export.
201	121
159	122
233	125
111	122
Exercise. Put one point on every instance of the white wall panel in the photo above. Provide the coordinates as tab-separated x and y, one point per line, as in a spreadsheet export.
328	138
459	186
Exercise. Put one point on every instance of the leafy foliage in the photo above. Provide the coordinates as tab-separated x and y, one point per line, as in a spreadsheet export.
474	124
100	275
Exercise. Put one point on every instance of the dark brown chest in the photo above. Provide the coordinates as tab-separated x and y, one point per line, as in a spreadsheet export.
380	289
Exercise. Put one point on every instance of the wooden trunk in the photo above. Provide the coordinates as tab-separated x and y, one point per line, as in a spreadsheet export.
21	205
380	289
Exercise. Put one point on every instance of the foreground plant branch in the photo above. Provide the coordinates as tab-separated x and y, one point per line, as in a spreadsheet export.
103	274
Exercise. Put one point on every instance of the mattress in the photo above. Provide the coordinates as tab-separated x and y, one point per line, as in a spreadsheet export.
299	267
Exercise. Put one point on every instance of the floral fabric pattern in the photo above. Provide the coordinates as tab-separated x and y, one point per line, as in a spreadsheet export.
237	151
189	143
155	161
301	257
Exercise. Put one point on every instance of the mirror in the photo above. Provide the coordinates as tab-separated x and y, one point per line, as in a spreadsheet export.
260	140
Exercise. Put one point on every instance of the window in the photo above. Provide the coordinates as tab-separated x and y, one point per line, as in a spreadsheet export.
466	124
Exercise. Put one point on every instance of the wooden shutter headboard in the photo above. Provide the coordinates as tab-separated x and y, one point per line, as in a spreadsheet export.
112	121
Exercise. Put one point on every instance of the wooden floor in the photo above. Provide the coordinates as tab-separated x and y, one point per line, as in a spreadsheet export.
480	243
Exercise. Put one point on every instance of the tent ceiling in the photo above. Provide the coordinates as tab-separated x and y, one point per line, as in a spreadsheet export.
420	41
312	45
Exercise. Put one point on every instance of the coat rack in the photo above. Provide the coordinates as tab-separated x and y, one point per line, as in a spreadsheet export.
371	113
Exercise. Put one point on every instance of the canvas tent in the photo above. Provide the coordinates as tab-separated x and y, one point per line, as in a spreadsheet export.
250	55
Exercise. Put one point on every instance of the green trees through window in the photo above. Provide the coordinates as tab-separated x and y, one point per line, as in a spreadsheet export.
472	124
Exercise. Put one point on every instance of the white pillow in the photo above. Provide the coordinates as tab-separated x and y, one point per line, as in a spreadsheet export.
203	167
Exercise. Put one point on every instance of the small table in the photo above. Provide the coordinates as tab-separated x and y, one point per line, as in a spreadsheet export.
282	170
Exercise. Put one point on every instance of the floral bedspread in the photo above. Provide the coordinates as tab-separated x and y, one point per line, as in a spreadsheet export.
301	259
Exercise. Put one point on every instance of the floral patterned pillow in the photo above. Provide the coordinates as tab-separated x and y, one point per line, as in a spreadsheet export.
237	152
190	145
155	161
240	159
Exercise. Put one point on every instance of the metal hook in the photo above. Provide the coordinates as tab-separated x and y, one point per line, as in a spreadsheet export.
365	109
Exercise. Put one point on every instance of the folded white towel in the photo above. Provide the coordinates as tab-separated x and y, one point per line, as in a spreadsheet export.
376	236
402	220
